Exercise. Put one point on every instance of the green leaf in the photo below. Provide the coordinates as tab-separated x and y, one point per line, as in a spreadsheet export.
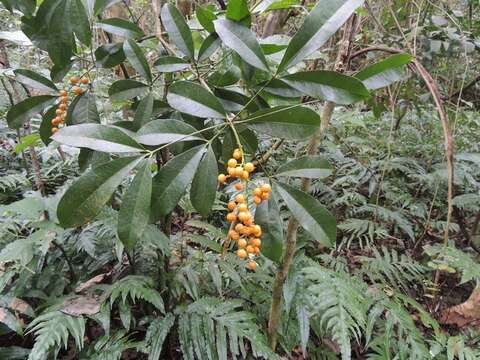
157	333
288	122
193	99
134	213
205	17
126	89
105	138
237	10
109	55
282	4
322	22
211	43
170	64
46	125
310	166
280	88
204	185
135	56
144	111
243	41
178	30
172	180
86	197
121	27
60	35
26	141
166	131
328	85
310	214
83	110
385	72
24	110
80	23
267	215
36	81
101	5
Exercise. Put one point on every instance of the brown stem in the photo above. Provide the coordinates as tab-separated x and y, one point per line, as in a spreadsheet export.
268	153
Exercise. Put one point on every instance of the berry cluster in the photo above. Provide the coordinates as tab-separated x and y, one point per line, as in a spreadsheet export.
61	111
243	230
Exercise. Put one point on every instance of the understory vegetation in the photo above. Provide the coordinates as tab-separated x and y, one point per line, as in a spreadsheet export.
239	179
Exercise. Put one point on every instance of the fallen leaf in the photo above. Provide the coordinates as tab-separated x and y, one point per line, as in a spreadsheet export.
466	313
81	305
95	280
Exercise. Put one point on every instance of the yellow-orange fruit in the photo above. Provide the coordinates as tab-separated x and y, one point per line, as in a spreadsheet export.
250	249
232	234
64	99
245	175
265	196
221	178
244	216
266	188
231	171
242	207
256	250
232	163
249	167
84	80
257	191
246	230
257	230
256	242
248	221
231	217
251	265
257	200
240	198
63	93
62	107
77	90
231	205
237	154
241	253
74	80
239	186
59	111
242	243
238	171
239	227
56	121
54	130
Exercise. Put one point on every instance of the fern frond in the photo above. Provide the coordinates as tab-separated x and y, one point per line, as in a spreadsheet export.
111	347
52	330
156	334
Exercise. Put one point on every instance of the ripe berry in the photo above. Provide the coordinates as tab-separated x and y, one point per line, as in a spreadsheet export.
246	230
237	154
231	171
62	106
257	191
250	249
222	178
242	207
232	234
251	265
257	231
266	188
242	243
63	93
59	111
248	221
231	217
257	200
84	80
231	205
240	198
241	253
256	242
265	196
56	121
54	130
64	99
238	171
74	80
249	167
239	227
77	90
244	175
256	250
232	163
239	186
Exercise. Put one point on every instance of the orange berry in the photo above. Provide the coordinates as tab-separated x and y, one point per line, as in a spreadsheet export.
77	90
256	250
248	221
244	216
242	207
64	99
266	188
239	227
238	171
232	234
257	231
257	200
257	191
221	178
246	230
242	243
237	154
62	106
249	167
241	253
251	265
231	205
59	111
54	130
232	163
256	242
63	93
239	186
250	249
240	198
56	121
74	79
231	171
84	80
265	196
231	217
245	175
